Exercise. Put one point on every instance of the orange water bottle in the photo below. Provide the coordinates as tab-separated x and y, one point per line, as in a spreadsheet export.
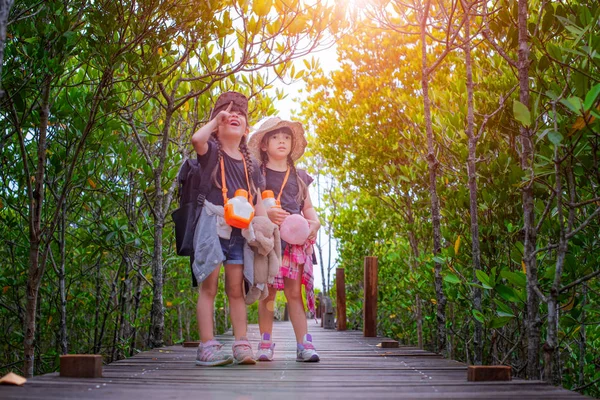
238	211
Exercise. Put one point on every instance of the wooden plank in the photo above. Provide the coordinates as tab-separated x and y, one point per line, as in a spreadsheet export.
81	366
351	367
191	344
479	373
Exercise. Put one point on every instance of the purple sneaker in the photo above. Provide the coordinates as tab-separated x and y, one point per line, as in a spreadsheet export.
305	351
265	348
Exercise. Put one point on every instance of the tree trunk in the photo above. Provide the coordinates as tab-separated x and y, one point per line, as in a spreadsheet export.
5	6
37	262
136	307
319	242
328	284
97	308
179	324
161	203
451	345
582	338
110	301
472	177
533	301
320	249
64	341
414	245
435	207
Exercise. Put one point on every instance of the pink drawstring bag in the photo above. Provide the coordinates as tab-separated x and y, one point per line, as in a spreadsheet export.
294	229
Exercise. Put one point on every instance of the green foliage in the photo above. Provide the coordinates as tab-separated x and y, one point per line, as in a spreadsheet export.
367	121
128	83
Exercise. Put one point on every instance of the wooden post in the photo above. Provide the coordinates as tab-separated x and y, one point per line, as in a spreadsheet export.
322	307
328	317
286	313
370	305
340	283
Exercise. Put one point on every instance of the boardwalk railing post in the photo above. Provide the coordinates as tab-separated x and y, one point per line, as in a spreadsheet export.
340	283
328	314
370	305
286	313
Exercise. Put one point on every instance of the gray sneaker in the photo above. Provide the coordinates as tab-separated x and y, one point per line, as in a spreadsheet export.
305	351
210	354
242	352
265	348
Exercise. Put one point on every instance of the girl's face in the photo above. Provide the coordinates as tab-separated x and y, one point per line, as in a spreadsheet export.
279	145
234	127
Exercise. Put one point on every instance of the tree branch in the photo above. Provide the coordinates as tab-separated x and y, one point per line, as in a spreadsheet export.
579	281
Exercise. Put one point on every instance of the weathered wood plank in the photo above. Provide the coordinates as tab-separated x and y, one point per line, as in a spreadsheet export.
351	366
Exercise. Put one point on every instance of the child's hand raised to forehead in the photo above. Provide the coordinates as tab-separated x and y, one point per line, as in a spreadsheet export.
277	214
224	115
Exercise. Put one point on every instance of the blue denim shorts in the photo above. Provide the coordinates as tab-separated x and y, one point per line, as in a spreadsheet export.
233	249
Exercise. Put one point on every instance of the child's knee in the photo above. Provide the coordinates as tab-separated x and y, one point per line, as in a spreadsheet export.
208	291
234	291
271	295
292	293
209	288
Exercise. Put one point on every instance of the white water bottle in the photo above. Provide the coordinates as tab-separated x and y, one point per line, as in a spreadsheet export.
269	200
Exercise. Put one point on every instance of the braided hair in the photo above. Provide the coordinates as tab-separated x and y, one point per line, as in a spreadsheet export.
264	159
250	165
302	188
215	179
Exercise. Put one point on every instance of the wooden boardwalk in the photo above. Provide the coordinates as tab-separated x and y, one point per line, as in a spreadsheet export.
351	367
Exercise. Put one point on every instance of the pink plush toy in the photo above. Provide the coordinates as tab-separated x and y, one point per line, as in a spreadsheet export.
294	229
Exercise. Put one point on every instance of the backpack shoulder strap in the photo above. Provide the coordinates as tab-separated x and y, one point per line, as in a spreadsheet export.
205	183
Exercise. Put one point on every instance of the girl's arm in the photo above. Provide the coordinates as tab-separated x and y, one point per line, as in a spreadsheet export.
201	136
311	216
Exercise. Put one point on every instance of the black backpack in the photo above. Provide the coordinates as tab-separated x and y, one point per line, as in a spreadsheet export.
194	185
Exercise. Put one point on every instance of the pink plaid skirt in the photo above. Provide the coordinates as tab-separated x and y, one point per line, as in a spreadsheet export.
295	256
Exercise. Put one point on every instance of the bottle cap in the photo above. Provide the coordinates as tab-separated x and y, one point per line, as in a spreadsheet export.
268	194
241	193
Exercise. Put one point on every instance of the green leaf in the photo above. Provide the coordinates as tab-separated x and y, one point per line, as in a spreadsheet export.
555	137
451	278
484	279
554	51
499	322
573	103
478	316
439	260
521	113
590	97
503	309
516	278
475	285
507	293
